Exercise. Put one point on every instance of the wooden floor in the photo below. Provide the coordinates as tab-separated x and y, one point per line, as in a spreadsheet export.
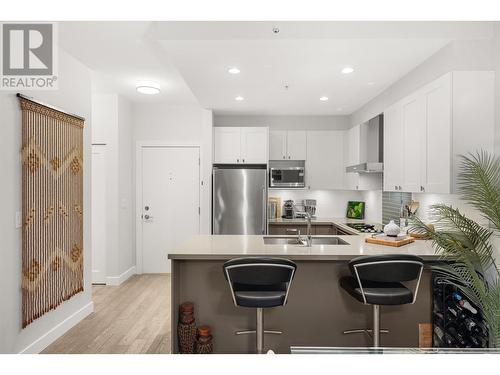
131	318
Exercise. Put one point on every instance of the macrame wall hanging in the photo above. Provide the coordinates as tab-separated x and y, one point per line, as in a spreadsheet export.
52	207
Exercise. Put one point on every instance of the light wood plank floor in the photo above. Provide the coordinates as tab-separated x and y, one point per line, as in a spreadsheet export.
131	318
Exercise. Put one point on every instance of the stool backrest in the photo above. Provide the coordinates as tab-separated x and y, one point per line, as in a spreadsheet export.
387	268
260	273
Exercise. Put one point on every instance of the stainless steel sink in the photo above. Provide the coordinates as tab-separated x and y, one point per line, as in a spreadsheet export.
282	241
328	241
295	241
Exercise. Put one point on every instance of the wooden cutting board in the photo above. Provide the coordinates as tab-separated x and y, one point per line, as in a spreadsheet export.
389	242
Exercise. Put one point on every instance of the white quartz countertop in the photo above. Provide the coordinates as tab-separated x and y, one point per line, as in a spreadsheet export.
216	247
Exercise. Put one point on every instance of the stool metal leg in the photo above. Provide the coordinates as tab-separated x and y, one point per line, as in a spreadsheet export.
260	330
376	326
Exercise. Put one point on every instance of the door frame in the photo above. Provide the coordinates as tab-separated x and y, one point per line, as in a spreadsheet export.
104	148
140	145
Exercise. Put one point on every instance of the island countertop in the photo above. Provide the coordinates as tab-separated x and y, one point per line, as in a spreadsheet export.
220	247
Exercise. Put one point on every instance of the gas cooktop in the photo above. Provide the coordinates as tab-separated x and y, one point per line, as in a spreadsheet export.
365	228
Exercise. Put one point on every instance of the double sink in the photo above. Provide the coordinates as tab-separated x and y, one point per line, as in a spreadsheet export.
289	240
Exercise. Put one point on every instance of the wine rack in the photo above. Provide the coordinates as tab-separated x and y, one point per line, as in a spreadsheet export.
456	322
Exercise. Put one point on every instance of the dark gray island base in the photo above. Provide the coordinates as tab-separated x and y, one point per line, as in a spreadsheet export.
317	312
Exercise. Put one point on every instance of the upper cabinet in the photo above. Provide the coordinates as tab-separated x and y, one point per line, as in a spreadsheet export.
287	145
425	132
325	160
240	145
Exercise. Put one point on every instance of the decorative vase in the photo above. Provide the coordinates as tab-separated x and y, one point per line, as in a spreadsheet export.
391	229
186	328
204	341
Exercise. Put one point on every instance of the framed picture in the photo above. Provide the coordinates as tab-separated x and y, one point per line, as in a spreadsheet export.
355	210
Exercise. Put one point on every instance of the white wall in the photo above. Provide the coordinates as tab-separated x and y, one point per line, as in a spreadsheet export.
457	55
496	67
73	95
179	125
111	117
286	122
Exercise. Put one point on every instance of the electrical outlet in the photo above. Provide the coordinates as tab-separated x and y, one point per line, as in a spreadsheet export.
18	219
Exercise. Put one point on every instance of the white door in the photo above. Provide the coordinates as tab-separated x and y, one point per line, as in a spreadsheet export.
170	202
254	145
99	214
325	162
227	145
393	148
296	144
277	145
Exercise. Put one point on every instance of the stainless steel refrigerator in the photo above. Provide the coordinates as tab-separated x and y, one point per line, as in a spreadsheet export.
239	200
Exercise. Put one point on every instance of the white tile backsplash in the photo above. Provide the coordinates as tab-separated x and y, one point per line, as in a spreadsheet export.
333	203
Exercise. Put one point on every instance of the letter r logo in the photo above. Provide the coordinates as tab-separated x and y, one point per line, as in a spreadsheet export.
27	49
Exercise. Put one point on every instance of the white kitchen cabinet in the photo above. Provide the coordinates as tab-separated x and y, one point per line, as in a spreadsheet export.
254	145
425	133
296	145
240	145
325	160
393	149
277	145
227	145
287	145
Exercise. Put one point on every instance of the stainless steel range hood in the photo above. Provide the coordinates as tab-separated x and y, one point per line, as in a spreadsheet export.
366	168
371	147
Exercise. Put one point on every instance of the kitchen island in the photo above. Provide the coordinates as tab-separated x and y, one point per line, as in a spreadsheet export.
317	310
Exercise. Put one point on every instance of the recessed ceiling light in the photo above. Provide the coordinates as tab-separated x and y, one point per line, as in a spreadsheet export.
347	70
324	98
239	98
148	87
234	70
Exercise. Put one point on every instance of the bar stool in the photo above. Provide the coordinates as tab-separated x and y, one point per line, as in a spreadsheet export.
259	283
376	281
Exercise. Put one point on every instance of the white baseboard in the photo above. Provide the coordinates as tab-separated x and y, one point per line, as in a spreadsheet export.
117	280
60	329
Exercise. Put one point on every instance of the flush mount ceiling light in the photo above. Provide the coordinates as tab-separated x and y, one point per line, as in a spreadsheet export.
324	98
239	98
148	87
347	70
233	70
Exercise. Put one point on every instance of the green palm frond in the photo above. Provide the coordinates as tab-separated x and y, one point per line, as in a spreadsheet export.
479	184
465	246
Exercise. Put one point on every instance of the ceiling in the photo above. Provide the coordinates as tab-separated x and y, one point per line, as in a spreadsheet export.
282	73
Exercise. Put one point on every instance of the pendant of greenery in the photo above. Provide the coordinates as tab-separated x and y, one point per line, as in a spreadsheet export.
466	246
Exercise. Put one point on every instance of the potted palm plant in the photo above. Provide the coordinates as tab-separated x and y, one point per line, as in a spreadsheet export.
467	247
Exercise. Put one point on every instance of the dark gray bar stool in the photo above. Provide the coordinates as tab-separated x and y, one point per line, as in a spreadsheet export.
376	280
259	283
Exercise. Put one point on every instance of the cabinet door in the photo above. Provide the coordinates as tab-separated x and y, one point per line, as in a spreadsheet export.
296	145
436	165
393	148
325	162
254	145
227	145
324	230
413	120
277	145
275	229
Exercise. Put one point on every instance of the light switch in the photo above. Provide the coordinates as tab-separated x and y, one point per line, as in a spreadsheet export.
19	218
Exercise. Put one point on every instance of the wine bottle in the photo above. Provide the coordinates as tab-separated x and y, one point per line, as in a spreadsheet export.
456	296
456	310
466	305
444	337
478	342
458	338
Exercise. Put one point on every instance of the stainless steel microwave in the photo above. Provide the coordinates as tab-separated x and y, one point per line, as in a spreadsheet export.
287	177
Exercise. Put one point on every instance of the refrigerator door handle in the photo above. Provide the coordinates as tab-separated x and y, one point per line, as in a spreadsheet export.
264	210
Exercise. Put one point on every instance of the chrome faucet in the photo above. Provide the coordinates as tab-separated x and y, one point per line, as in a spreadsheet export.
308	235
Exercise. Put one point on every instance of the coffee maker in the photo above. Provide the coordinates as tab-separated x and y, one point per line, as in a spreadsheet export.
288	210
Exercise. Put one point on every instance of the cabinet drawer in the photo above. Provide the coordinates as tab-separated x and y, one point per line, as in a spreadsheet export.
324	230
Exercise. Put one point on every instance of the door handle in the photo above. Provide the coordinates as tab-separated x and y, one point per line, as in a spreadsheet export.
264	209
147	217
